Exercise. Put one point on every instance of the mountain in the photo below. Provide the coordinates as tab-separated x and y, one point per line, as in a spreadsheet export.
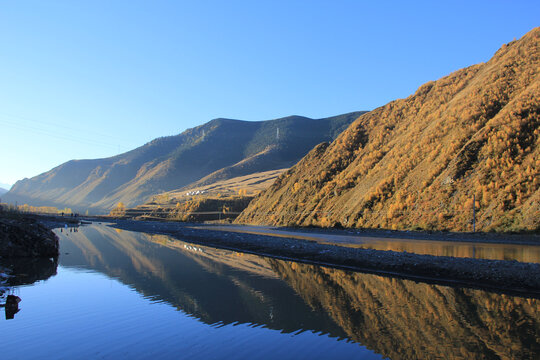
221	148
469	140
3	191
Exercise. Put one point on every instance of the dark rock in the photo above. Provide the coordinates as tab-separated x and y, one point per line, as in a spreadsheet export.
24	237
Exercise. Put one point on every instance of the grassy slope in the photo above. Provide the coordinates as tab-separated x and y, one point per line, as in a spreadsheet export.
250	185
419	161
233	195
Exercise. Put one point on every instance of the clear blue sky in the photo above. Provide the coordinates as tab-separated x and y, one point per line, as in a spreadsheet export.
89	79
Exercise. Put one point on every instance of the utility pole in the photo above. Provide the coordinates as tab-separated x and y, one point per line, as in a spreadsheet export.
474	213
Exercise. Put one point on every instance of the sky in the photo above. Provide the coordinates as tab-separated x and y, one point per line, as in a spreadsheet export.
90	79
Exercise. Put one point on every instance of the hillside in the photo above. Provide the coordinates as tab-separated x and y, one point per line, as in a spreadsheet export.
249	185
242	147
222	199
419	162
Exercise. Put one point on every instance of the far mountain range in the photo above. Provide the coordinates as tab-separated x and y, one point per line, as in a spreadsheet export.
218	150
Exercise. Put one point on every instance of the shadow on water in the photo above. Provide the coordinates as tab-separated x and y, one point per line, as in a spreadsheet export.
396	318
19	272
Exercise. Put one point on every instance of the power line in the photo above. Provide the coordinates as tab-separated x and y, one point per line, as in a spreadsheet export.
49	133
84	129
57	136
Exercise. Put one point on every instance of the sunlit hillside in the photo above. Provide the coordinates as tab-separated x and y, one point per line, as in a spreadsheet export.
461	148
219	200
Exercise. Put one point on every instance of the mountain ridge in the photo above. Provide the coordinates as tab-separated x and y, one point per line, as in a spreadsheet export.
171	162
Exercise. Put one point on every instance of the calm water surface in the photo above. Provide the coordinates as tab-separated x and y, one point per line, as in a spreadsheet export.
119	294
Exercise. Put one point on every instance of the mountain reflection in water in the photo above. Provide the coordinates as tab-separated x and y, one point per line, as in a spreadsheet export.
396	318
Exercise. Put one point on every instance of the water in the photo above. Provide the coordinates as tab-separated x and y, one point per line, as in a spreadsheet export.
489	251
119	294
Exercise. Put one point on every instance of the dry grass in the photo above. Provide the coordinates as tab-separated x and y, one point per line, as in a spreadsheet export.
219	201
249	185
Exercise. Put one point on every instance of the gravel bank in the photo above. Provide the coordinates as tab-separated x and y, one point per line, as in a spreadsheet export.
505	276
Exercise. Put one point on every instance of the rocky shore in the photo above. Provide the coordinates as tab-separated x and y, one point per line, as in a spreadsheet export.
23	236
499	275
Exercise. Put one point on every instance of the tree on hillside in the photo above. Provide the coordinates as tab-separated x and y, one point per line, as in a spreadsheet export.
119	210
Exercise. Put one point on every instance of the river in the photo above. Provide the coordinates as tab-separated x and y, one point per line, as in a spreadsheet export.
120	294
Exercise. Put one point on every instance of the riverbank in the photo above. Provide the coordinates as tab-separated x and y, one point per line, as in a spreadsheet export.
25	236
498	275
